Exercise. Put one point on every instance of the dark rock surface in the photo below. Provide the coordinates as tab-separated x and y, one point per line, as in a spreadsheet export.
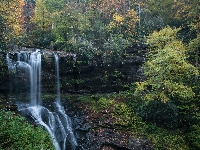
94	134
78	75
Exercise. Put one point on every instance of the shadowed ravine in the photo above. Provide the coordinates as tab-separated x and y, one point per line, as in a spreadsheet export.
57	123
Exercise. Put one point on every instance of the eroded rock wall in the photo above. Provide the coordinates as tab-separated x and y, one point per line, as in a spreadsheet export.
78	75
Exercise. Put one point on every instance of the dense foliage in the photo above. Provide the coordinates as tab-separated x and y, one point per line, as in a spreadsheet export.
168	73
121	111
11	14
17	133
92	28
170	91
100	31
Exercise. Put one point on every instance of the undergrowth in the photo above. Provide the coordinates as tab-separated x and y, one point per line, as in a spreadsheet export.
17	133
123	109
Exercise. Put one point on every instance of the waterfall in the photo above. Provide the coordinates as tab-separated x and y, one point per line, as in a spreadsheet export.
35	78
57	123
57	77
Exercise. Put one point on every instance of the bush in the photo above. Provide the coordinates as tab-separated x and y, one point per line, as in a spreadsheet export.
164	139
17	133
104	103
122	114
194	136
164	114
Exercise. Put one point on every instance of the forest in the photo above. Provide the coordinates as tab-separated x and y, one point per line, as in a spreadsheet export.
163	107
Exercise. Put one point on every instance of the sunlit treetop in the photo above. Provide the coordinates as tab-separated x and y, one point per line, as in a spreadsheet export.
11	12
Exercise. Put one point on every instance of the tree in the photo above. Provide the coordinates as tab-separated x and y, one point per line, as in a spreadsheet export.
42	17
11	27
169	75
169	84
193	51
189	12
12	20
29	10
164	10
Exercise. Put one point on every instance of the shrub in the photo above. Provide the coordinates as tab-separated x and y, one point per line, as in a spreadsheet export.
17	133
164	139
194	136
164	114
104	103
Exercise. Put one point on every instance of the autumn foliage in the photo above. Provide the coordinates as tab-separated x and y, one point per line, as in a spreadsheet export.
12	18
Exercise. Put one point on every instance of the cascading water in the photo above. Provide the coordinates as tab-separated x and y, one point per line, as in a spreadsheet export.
57	123
57	77
35	78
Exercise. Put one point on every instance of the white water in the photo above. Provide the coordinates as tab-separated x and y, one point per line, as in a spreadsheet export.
57	123
57	77
35	78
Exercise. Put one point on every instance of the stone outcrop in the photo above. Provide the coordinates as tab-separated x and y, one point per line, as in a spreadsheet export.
79	75
95	131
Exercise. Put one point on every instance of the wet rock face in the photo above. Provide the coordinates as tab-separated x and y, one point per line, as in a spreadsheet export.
81	76
93	134
78	75
86	77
